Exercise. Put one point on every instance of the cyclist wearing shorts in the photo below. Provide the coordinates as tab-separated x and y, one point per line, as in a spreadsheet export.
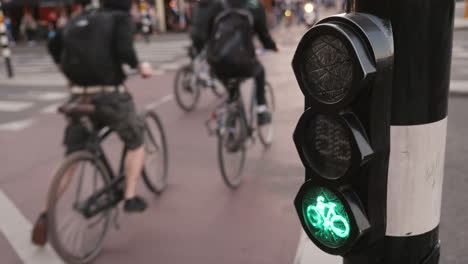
114	106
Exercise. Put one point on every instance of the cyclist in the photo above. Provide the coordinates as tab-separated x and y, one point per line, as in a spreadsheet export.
201	16
260	28
114	105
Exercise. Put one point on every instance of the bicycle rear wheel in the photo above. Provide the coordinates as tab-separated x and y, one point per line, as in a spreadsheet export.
266	132
156	158
75	238
186	93
231	150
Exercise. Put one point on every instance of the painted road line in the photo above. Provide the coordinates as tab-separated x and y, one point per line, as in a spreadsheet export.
16	125
160	102
52	96
459	86
308	253
51	109
170	66
14	106
459	52
17	230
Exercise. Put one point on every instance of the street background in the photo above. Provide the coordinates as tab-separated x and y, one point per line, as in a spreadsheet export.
198	219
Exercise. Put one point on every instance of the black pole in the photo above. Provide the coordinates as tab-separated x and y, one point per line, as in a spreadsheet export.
423	35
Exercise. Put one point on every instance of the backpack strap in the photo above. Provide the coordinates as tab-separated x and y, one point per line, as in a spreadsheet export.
242	11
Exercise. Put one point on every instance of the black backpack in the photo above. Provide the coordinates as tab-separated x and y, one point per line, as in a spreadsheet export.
231	52
84	46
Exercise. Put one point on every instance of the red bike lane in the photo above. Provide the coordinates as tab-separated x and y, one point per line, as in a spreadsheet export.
197	219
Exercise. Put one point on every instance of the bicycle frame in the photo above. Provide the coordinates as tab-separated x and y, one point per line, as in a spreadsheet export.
248	120
92	205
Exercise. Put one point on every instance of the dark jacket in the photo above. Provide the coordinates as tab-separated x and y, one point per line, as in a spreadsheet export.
113	33
203	20
202	17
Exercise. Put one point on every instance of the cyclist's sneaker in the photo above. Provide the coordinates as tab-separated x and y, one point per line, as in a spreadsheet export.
263	116
39	233
135	205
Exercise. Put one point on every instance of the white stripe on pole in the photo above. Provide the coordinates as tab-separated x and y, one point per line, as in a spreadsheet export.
2	27
4	40
6	53
415	178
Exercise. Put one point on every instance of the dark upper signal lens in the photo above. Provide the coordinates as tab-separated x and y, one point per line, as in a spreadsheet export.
327	69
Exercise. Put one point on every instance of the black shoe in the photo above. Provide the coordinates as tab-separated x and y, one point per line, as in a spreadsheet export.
39	233
264	118
135	205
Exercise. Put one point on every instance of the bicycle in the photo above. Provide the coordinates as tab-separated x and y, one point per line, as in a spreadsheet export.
191	79
323	216
235	128
79	220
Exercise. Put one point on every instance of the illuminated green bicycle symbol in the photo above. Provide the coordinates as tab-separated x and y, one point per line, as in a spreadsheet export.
324	217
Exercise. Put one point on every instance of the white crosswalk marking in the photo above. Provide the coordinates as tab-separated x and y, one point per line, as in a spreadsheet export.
52	96
51	109
17	230
16	125
459	52
14	106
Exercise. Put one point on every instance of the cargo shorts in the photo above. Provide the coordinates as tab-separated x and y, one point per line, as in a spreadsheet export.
115	110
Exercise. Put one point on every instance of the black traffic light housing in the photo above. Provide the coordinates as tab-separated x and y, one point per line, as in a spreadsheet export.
344	67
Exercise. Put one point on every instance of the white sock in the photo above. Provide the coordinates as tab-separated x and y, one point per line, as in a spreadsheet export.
262	108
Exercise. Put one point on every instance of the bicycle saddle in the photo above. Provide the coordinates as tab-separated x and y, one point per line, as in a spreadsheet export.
77	108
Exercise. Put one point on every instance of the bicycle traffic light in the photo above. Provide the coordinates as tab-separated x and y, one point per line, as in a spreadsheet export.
344	67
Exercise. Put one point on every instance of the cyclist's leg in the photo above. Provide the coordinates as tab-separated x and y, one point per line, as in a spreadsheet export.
264	117
118	112
260	84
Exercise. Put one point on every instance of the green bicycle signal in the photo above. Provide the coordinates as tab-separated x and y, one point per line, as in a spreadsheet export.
326	217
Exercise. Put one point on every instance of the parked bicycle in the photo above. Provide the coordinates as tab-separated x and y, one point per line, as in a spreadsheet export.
85	190
235	129
191	79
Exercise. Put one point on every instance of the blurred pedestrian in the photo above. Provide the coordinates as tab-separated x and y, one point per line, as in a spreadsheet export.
28	27
8	26
63	19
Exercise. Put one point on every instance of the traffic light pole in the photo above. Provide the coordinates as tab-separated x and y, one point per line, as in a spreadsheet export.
423	33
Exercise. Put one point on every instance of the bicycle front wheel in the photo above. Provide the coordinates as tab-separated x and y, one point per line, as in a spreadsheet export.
187	93
266	132
156	158
231	150
76	238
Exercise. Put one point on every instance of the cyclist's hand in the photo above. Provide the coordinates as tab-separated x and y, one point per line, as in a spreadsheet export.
145	70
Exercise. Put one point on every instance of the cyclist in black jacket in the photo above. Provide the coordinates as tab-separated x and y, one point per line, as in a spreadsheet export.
204	17
114	105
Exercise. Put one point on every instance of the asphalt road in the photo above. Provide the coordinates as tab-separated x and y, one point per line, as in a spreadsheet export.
198	219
